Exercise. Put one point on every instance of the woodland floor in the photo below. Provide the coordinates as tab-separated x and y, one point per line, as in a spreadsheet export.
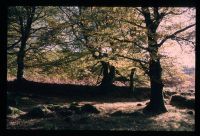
176	119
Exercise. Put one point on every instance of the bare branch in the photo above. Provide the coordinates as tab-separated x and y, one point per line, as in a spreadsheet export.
128	41
133	23
14	44
133	59
139	10
174	34
35	30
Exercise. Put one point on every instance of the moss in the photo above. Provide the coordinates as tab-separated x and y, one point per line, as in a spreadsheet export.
38	112
14	111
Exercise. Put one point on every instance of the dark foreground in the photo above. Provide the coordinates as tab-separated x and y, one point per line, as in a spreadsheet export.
62	110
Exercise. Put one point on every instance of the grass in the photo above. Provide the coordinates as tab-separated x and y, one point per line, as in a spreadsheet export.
174	120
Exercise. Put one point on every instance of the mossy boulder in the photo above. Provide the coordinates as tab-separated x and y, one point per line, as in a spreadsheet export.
55	107
39	111
60	109
14	111
182	101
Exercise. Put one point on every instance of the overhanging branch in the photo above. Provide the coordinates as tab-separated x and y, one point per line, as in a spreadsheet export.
174	34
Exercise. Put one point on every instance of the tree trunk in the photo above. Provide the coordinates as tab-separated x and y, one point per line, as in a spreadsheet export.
108	75
20	61
25	32
156	104
132	84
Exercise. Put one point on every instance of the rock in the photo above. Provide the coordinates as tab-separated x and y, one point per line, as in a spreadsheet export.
186	94
74	104
65	112
190	112
139	104
117	113
14	111
192	91
147	103
76	109
38	112
54	107
168	93
60	109
88	108
136	113
182	102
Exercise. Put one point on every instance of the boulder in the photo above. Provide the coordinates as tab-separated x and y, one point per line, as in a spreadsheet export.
182	101
117	113
88	108
168	92
39	111
186	94
14	111
60	109
65	112
139	104
190	112
55	107
192	91
75	109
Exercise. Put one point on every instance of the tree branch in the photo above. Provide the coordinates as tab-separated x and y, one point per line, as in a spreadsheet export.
134	59
14	44
174	34
128	41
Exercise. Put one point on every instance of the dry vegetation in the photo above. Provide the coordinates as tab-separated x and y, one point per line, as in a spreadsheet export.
176	119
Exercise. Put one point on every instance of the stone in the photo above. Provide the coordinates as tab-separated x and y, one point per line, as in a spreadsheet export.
117	113
14	111
182	102
38	112
136	113
76	109
65	112
54	107
139	104
190	112
88	108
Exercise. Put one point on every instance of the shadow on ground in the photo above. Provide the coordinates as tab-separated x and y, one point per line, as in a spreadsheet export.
79	92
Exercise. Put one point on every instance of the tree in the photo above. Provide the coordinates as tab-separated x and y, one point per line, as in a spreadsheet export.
140	32
24	19
152	21
26	35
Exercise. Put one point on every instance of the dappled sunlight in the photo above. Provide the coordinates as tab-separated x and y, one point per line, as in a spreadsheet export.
101	68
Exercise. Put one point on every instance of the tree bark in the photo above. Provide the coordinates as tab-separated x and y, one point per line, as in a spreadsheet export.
20	61
156	104
25	32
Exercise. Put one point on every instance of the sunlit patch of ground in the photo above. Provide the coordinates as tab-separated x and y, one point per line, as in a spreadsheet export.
174	120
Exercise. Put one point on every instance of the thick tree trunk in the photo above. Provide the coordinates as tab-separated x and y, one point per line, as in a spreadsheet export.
156	104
